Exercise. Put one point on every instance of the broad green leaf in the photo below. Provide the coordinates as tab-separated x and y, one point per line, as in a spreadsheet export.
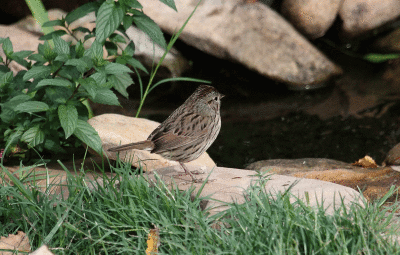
130	49
37	72
58	95
81	12
7	47
53	23
52	143
95	52
121	82
47	51
49	36
135	63
37	58
79	50
6	78
62	58
82	29
80	64
99	77
87	134
109	17
169	3
32	106
147	25
54	82
17	100
117	38
89	85
106	96
133	4
115	68
60	46
33	136
22	54
68	116
127	21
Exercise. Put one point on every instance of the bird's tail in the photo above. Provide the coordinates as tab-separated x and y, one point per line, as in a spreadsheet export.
143	145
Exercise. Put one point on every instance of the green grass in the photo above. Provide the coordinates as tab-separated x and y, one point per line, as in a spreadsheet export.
116	218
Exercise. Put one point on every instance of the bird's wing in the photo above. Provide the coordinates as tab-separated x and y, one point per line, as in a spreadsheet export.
179	130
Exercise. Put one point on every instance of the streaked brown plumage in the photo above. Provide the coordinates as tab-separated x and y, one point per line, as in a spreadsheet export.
188	132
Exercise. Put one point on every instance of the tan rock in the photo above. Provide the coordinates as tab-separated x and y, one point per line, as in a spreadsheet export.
21	40
227	185
312	17
374	182
52	178
251	34
117	129
360	16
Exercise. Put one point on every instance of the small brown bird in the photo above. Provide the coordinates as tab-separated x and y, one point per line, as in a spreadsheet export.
188	132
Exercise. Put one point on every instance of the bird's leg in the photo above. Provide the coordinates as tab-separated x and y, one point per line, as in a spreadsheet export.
194	179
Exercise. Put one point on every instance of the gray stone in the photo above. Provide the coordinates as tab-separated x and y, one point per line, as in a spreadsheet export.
311	17
251	34
360	16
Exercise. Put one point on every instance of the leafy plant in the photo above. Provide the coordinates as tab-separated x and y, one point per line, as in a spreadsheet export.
46	106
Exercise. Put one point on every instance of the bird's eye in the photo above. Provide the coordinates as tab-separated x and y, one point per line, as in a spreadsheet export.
216	98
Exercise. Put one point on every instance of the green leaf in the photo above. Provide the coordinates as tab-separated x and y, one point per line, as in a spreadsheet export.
111	47
32	106
17	100
68	116
127	21
82	29
33	136
95	52
81	12
130	49
37	57
121	82
62	58
49	36
47	51
37	72
89	85
58	95
54	82
99	77
79	49
60	46
135	63
6	78
117	38
7	47
21	54
380	58
132	3
106	96
147	25
109	17
80	64
88	135
169	3
115	68
53	23
52	143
